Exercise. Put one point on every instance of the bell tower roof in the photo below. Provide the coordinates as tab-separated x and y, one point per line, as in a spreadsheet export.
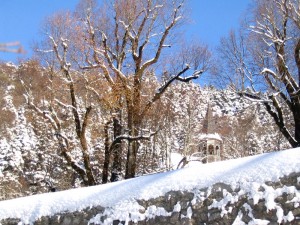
208	123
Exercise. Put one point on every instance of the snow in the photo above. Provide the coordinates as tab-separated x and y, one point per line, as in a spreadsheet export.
222	203
120	198
177	207
210	136
175	159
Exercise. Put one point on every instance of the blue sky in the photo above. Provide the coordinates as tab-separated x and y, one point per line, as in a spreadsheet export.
20	20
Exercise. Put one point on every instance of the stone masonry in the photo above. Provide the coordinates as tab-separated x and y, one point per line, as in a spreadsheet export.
216	205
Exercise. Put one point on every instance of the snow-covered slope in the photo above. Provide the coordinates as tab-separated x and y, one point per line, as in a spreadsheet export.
248	173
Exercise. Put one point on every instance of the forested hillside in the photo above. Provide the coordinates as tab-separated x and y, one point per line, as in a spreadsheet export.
32	157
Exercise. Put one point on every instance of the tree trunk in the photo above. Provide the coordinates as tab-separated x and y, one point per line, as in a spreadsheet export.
296	99
133	107
85	148
296	115
131	157
106	154
116	173
87	164
74	166
132	145
278	118
297	58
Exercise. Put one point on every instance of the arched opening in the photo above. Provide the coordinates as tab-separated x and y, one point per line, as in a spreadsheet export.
204	149
211	150
217	150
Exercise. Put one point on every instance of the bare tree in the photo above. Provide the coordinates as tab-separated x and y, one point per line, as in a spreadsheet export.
125	45
66	106
274	47
235	66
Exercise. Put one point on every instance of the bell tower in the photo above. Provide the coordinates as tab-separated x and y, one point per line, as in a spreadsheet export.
211	143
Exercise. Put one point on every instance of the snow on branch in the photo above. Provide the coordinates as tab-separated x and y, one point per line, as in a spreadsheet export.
116	70
164	87
254	97
269	71
195	75
63	140
131	138
45	114
63	104
163	38
278	115
44	51
48	115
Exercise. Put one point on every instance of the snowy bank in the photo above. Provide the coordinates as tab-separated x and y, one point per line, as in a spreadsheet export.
248	174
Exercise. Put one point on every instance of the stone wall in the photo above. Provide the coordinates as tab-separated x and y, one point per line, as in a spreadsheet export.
271	203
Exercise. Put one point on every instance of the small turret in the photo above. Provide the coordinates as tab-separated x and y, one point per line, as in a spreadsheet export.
211	143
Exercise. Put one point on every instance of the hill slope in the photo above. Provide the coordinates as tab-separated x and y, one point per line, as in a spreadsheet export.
30	158
122	198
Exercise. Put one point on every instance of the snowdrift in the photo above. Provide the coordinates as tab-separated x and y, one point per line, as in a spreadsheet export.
122	197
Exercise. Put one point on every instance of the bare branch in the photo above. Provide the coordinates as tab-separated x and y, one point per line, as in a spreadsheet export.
14	47
131	138
174	21
164	87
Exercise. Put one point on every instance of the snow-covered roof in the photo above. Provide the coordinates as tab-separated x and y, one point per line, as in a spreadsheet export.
248	173
214	136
